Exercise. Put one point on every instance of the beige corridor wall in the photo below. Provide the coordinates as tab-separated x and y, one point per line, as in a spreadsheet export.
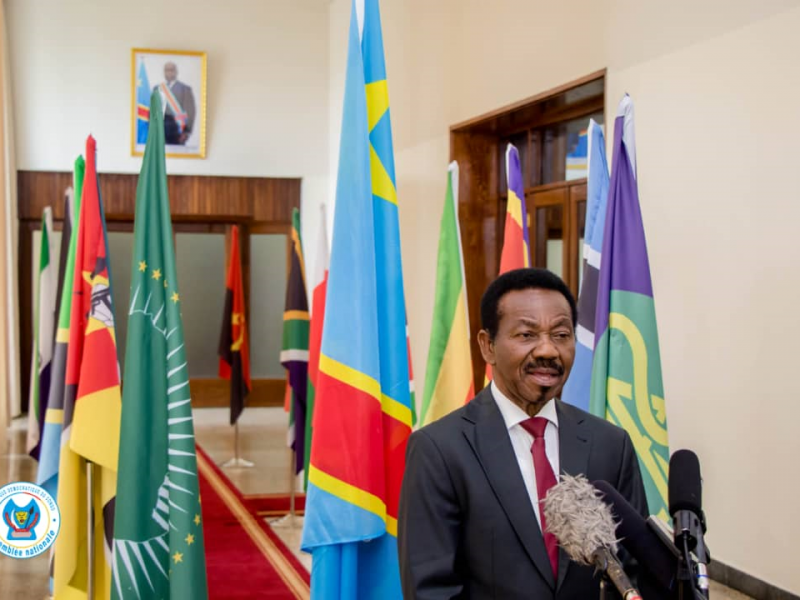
715	88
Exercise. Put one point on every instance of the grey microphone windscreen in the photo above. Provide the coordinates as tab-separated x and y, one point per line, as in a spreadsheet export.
579	519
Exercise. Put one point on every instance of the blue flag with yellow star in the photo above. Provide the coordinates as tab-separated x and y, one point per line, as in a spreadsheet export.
158	534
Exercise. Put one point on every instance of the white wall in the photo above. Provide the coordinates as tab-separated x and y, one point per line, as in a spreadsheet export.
267	84
715	86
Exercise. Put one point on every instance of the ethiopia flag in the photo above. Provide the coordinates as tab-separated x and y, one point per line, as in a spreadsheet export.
362	410
91	406
158	531
234	352
627	388
448	379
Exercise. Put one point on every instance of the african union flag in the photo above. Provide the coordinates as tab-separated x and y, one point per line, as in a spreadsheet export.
362	413
626	377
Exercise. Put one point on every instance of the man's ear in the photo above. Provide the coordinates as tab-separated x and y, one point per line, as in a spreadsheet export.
487	346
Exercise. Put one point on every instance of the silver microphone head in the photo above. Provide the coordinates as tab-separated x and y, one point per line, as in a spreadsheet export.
579	519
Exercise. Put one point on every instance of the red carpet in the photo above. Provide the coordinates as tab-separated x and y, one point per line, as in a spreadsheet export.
244	557
274	505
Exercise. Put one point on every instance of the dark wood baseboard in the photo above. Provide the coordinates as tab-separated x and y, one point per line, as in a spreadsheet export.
216	393
747	584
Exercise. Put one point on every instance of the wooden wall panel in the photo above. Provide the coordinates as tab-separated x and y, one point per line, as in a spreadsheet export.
216	393
191	197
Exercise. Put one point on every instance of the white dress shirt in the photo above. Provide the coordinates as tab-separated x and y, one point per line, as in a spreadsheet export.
522	441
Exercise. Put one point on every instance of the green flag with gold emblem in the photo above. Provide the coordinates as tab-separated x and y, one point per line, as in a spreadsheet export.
158	530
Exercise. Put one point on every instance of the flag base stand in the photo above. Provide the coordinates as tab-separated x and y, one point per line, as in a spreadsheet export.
237	462
289	520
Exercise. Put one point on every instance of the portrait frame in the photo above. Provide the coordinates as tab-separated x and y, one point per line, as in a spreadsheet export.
188	130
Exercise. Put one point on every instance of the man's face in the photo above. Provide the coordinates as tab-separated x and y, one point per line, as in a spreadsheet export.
170	72
534	348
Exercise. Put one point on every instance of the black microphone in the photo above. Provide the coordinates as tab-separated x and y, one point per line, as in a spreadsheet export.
584	528
685	506
644	541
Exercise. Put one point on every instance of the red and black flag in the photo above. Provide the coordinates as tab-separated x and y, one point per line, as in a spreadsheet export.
234	353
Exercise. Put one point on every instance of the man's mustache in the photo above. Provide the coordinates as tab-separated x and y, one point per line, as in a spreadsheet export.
544	363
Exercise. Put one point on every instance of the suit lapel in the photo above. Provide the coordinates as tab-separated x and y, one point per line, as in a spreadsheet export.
490	441
574	445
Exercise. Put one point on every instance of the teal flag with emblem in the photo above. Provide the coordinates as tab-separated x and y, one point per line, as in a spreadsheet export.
158	530
627	388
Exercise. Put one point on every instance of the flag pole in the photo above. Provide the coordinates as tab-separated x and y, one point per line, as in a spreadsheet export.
292	486
237	461
90	527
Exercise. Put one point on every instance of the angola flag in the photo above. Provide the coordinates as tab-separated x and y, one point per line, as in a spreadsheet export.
44	332
448	378
516	243
158	533
362	413
91	406
234	350
294	352
627	387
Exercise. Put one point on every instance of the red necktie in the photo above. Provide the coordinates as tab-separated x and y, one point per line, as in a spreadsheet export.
545	479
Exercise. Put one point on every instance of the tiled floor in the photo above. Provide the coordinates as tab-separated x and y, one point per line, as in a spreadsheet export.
262	440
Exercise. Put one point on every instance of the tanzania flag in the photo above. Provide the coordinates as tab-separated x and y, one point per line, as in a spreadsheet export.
44	332
448	379
319	288
362	413
294	352
234	351
158	532
142	105
91	405
516	252
626	380
578	387
50	448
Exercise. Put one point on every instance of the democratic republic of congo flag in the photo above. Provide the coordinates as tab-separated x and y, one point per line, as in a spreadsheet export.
142	105
362	414
578	387
91	408
626	379
448	377
516	252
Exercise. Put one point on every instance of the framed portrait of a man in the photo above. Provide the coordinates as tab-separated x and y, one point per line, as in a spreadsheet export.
179	76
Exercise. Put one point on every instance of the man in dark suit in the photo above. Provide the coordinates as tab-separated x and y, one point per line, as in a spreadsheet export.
470	524
177	99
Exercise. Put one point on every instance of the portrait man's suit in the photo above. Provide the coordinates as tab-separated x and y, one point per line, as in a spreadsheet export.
185	97
466	527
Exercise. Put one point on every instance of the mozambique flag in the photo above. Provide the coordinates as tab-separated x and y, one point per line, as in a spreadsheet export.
294	351
577	389
158	532
362	411
44	331
142	105
50	451
448	378
516	243
234	351
91	406
627	388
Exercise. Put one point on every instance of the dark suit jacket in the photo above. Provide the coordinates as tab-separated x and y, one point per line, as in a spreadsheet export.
185	97
466	527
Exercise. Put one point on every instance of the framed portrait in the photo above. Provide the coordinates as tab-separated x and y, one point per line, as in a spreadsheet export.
180	78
